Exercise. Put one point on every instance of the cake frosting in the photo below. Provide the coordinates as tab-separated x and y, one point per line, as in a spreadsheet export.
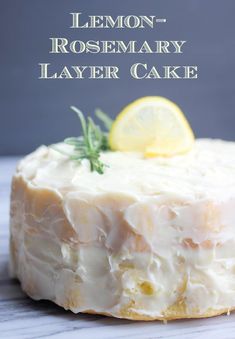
149	239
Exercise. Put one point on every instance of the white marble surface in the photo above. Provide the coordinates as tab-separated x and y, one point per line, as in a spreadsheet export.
21	317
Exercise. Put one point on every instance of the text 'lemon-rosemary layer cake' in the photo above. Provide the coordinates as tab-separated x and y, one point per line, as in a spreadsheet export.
150	238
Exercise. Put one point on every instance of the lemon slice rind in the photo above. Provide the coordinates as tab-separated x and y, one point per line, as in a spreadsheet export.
153	125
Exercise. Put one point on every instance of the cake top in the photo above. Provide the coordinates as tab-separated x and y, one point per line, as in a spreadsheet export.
209	168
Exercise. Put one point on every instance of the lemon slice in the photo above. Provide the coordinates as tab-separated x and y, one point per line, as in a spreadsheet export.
152	125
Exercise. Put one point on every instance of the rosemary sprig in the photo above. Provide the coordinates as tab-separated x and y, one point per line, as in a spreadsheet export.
91	143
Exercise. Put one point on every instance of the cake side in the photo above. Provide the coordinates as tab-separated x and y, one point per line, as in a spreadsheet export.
155	244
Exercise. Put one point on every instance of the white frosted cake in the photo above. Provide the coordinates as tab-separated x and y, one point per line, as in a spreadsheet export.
149	239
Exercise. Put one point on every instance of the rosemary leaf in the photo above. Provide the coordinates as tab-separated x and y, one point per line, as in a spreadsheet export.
107	121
